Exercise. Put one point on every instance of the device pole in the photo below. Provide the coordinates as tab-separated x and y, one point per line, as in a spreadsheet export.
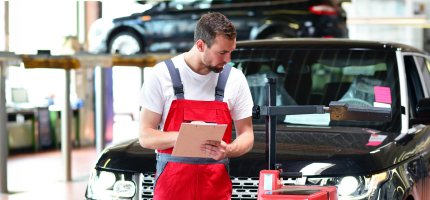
100	110
271	124
4	147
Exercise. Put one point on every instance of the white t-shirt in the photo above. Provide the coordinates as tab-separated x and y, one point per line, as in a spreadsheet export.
157	91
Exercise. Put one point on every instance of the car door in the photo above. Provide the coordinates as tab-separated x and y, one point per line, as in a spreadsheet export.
418	80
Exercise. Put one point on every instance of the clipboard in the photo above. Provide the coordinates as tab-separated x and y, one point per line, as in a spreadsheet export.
192	135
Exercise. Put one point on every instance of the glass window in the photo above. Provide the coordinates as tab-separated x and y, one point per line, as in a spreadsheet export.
318	76
424	67
415	89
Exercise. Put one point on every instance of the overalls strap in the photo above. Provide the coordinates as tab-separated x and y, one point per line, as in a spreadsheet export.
178	87
222	80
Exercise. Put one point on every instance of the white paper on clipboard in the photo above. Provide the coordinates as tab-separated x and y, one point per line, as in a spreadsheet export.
193	135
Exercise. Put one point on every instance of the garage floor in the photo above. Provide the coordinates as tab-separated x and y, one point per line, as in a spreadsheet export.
41	175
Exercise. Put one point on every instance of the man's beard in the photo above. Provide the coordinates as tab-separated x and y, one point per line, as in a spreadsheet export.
215	69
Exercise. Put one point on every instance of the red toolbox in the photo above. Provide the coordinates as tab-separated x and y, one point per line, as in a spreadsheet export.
271	188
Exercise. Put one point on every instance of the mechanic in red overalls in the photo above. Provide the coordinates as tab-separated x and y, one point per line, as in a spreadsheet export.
197	85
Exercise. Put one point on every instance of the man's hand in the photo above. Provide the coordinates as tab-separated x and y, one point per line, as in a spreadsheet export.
241	145
215	149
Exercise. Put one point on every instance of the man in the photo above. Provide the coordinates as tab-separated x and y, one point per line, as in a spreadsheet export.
197	85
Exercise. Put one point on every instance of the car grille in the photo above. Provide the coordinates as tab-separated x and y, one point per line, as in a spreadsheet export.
243	187
147	186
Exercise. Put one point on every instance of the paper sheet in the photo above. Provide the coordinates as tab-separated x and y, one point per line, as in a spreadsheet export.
193	135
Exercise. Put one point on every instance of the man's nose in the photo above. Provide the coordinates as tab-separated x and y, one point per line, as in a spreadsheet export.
227	58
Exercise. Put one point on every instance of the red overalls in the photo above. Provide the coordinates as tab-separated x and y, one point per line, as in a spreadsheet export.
194	178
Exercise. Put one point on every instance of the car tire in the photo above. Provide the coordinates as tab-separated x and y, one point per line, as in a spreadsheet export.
126	43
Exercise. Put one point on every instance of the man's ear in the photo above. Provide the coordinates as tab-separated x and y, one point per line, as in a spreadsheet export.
200	45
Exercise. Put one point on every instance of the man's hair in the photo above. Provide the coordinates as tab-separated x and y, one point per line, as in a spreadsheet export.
212	24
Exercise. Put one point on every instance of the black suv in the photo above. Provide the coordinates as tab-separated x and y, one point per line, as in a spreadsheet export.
373	160
169	25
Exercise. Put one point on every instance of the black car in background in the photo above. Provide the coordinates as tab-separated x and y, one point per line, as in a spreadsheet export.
169	25
372	160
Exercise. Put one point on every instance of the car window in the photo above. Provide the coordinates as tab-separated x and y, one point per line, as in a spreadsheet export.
415	90
319	76
426	73
423	65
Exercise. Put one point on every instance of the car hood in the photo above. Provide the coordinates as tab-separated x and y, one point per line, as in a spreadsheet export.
316	151
322	151
127	156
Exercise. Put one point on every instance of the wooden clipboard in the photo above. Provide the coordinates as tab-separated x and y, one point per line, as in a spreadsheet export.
193	135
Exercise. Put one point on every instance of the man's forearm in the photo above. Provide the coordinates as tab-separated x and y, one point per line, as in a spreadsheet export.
155	139
241	145
149	136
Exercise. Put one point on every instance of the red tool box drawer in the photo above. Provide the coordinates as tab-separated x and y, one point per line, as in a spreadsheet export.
271	188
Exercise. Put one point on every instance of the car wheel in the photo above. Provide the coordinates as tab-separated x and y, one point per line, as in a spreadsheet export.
126	43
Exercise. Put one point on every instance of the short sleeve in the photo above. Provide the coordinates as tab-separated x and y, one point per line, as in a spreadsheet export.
242	102
151	94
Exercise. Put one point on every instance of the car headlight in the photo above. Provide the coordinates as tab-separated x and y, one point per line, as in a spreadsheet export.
353	187
124	188
348	185
107	185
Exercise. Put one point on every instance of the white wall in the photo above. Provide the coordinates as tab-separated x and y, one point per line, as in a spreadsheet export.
2	27
40	24
384	20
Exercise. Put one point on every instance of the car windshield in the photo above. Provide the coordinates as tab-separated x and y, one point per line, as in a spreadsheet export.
317	76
